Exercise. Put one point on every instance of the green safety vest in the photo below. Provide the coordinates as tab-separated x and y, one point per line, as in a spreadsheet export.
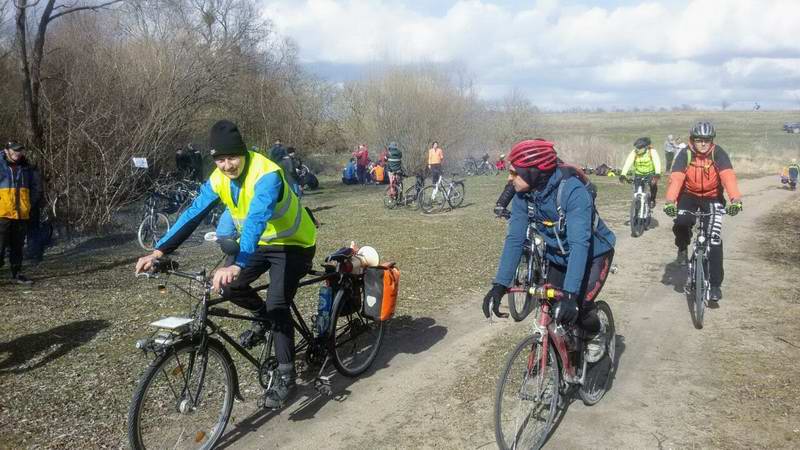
290	224
643	164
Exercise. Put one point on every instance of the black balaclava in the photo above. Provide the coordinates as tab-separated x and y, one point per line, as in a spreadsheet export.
535	178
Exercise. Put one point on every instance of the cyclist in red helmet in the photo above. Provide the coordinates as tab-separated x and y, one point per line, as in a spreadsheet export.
579	248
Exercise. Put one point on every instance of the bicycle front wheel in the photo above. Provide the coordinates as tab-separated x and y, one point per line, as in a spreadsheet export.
521	303
184	399
456	197
700	289
410	197
636	223
526	401
431	200
355	339
152	228
599	374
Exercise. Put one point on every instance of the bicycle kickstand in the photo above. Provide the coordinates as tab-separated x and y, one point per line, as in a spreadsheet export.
322	383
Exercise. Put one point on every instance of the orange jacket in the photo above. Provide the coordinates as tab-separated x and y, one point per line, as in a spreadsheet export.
435	155
703	175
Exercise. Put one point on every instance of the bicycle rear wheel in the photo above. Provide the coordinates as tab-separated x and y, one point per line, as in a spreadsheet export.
184	399
152	228
389	200
700	289
599	374
430	200
456	197
526	400
521	303
355	339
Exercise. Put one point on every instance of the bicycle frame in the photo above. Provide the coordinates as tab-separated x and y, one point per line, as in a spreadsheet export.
551	334
207	307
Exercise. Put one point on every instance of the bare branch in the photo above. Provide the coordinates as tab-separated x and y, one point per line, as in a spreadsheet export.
82	8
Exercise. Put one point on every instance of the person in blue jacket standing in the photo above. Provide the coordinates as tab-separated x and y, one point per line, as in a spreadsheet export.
579	251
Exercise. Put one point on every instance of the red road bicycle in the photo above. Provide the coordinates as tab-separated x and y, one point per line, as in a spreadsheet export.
544	371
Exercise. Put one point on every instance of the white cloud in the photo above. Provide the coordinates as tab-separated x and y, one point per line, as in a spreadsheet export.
674	45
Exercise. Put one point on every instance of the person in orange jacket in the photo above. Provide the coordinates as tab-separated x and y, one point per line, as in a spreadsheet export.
700	175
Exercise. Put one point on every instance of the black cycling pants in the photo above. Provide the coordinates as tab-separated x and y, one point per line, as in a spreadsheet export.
683	232
286	268
12	237
593	280
669	156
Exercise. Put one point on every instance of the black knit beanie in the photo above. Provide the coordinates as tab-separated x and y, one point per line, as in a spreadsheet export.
225	140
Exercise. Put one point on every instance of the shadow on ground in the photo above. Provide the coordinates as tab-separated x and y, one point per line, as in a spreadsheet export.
675	276
406	335
32	351
619	350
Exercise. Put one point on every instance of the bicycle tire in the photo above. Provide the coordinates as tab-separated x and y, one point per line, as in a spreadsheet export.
456	197
344	347
600	374
429	202
524	362
410	197
149	232
388	201
520	304
636	230
700	290
168	430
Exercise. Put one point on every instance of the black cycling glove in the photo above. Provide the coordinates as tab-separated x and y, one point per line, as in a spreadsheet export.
567	309
492	300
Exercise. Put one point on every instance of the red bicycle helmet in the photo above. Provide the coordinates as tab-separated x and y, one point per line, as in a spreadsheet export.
537	153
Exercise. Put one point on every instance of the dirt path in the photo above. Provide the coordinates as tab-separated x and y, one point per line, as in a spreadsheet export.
664	394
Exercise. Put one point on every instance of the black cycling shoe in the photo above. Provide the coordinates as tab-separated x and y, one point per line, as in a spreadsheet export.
283	390
254	336
716	294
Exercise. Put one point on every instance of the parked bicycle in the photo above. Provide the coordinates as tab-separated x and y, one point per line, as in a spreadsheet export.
445	191
641	214
545	370
474	166
397	195
155	223
185	396
531	271
698	286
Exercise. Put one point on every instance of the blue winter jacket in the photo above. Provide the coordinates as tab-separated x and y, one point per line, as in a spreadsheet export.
578	241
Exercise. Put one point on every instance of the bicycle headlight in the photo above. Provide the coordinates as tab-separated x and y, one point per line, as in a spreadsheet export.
701	239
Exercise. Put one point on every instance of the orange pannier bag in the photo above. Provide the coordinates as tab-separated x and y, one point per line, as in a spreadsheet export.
381	285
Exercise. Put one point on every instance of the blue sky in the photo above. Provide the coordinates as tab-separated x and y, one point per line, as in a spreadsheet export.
565	53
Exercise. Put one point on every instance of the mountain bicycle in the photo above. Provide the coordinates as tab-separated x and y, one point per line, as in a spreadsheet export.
185	396
444	191
698	286
641	214
544	370
531	271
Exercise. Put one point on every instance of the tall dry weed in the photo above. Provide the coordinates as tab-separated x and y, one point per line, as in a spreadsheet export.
589	151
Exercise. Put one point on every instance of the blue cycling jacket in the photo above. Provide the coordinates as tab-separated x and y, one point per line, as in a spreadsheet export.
268	192
578	240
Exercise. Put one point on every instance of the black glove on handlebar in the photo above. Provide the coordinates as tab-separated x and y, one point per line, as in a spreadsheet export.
567	309
492	300
505	197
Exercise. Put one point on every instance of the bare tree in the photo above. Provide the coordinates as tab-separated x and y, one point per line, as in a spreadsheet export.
30	61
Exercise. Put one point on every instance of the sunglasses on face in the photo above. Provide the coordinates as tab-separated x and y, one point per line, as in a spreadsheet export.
702	141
